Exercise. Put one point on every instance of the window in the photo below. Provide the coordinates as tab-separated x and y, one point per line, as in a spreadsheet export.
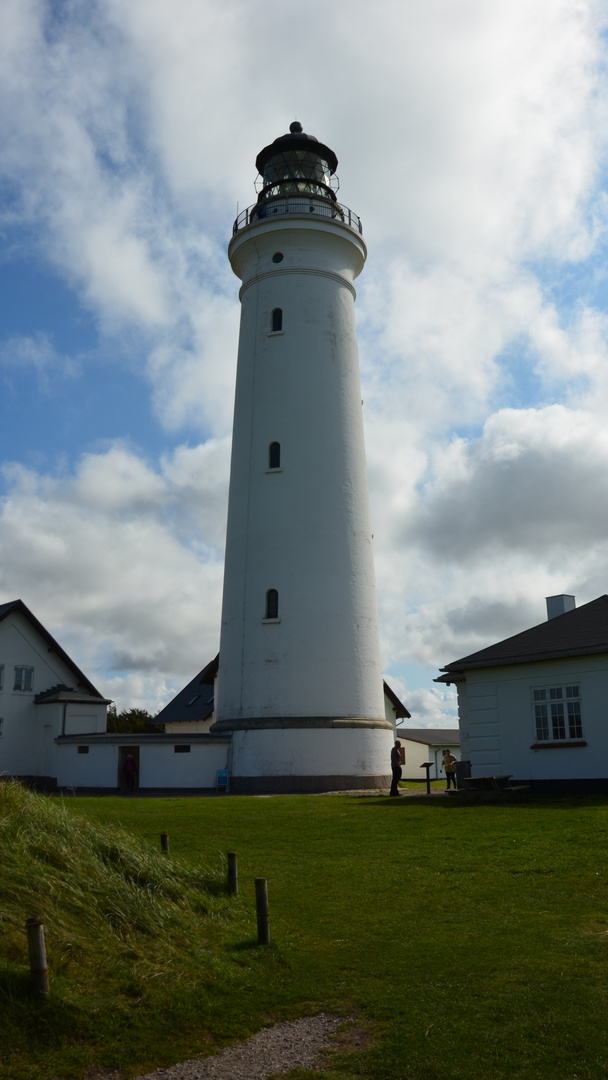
274	455
272	604
24	678
1	676
177	749
557	713
277	257
83	749
277	320
1	726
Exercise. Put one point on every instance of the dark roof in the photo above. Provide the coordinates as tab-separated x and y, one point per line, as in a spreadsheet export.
62	693
139	738
400	709
431	736
195	701
580	632
53	646
296	139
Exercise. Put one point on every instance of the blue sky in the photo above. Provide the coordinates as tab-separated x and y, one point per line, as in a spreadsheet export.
471	139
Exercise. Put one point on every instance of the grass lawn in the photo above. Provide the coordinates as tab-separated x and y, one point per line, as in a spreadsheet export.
467	940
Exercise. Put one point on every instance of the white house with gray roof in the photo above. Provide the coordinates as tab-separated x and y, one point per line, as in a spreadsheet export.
53	724
535	706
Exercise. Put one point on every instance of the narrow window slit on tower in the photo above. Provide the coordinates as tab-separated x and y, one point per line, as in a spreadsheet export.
274	455
277	319
272	604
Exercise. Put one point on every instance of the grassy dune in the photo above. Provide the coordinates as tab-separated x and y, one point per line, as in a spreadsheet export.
467	940
134	944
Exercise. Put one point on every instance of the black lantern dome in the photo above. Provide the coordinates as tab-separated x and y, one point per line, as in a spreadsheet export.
296	164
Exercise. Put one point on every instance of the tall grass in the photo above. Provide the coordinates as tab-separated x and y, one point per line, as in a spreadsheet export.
131	941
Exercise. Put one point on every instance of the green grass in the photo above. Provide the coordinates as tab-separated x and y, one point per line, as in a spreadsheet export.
466	939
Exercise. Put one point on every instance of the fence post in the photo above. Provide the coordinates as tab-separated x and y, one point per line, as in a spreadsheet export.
164	841
233	874
35	942
261	905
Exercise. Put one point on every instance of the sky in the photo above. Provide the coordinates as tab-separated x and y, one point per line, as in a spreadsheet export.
472	140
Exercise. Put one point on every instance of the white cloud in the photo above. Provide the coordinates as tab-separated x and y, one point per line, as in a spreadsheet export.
472	140
100	556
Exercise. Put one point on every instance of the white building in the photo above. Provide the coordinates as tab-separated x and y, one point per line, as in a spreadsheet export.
53	724
534	706
427	744
300	678
43	697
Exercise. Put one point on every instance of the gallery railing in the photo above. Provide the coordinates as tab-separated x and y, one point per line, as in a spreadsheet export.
296	205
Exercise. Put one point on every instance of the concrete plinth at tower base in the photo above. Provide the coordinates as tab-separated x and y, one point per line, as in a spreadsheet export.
320	754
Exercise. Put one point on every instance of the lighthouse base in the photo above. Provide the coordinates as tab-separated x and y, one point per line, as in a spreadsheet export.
304	785
290	760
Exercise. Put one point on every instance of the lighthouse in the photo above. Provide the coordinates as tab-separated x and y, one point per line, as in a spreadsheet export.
300	680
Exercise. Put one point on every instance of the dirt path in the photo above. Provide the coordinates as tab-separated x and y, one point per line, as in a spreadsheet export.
276	1049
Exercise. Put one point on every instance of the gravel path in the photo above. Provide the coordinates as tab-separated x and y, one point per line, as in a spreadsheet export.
293	1045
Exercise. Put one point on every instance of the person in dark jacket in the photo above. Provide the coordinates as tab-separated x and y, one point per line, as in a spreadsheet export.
129	771
396	767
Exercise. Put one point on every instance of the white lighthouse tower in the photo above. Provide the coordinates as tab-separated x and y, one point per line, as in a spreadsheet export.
300	680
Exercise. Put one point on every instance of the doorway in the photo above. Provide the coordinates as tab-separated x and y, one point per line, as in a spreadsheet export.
128	775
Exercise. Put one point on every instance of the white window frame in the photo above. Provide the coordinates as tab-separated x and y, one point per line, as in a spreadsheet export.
26	679
557	713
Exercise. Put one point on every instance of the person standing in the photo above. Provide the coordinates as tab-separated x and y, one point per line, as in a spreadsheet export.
129	771
396	767
449	766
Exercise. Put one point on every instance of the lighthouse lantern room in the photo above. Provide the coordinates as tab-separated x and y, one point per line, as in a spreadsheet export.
300	680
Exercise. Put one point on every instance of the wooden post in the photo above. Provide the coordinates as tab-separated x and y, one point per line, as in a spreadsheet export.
164	841
38	969
233	874
261	905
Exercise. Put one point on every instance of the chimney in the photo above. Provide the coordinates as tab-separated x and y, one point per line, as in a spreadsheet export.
559	605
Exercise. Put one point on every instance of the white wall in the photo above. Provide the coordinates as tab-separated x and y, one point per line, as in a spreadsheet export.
497	724
24	746
98	768
313	752
159	765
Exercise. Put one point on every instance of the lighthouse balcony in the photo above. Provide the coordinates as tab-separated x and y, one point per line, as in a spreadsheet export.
297	205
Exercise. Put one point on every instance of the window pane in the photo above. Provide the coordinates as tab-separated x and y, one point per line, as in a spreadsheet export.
558	722
272	604
573	691
274	456
28	678
555	692
277	319
542	723
540	695
574	720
